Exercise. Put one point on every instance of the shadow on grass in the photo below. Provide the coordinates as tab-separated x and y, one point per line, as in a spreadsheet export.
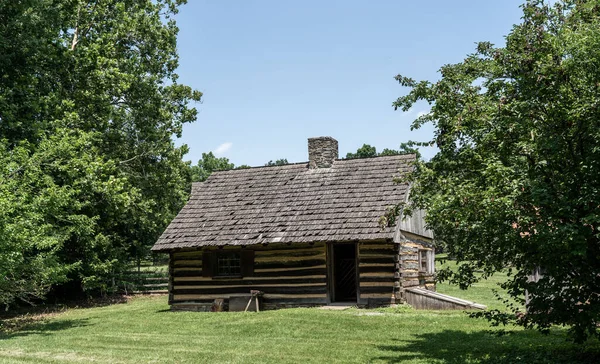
42	328
43	309
453	346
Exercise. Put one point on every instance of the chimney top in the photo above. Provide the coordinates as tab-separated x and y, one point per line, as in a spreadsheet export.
322	152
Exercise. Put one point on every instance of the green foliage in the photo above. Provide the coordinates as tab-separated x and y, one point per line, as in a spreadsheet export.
89	102
367	151
516	182
279	162
209	164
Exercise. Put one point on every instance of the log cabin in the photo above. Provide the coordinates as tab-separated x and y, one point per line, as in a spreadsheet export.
304	234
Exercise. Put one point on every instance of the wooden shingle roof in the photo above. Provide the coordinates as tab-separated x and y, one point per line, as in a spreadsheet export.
290	204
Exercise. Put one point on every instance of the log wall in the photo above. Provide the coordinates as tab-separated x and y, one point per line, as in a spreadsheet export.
289	275
296	275
410	272
378	273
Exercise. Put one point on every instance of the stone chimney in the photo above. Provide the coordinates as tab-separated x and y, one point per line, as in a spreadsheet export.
322	151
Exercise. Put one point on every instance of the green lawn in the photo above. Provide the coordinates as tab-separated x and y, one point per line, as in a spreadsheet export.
144	331
481	292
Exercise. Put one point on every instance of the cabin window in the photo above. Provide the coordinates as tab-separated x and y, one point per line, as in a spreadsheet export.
228	264
426	261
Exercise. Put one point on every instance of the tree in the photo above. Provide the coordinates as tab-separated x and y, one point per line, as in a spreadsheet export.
366	151
516	182
89	102
279	162
209	164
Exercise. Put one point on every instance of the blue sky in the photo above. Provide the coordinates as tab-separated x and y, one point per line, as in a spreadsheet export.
275	73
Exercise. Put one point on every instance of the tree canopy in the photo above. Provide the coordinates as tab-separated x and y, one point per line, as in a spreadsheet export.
278	162
89	174
368	151
209	164
516	182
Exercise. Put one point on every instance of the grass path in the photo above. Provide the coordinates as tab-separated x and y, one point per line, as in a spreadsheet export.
144	331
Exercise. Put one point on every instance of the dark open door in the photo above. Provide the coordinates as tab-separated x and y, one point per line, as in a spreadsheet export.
343	269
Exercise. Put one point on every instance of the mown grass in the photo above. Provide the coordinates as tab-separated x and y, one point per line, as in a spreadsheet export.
480	292
145	331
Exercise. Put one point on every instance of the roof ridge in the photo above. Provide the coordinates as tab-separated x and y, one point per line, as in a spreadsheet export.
376	157
337	160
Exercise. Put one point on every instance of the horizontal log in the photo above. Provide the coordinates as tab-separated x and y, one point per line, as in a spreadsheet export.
253	278
379	269
379	275
187	269
319	270
390	265
251	281
377	284
301	290
367	290
181	305
295	301
288	264
290	258
269	297
284	269
187	263
376	295
411	274
410	283
367	246
197	297
387	278
292	246
246	286
197	254
291	252
376	260
383	252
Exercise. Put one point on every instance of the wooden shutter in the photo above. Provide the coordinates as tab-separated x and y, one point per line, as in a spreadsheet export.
431	261
423	260
247	262
208	263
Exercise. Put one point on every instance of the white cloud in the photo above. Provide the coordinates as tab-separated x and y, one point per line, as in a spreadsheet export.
223	148
421	113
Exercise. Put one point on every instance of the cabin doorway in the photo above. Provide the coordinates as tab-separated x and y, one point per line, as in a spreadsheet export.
342	268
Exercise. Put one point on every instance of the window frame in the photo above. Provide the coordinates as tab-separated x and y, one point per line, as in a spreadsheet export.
426	261
221	255
210	262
